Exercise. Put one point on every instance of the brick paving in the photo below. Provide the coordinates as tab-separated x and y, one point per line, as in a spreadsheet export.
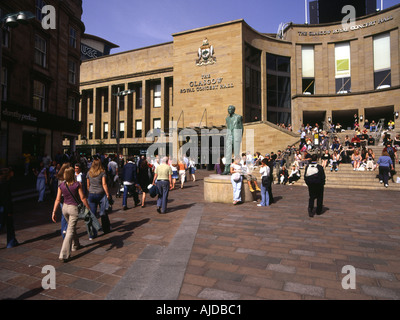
240	252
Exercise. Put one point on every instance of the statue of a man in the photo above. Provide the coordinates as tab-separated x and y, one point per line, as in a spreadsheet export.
234	124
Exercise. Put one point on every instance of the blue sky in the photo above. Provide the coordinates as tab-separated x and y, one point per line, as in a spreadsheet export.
134	24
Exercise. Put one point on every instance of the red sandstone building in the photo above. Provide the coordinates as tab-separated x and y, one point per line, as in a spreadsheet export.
40	80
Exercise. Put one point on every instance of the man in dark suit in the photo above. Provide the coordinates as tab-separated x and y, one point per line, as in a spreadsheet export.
129	178
314	176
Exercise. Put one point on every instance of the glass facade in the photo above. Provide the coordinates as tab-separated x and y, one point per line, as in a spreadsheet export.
278	89
252	84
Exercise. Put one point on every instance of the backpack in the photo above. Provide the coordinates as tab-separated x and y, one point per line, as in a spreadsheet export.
390	151
312	175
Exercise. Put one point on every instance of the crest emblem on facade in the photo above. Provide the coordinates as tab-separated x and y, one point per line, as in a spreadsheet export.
206	54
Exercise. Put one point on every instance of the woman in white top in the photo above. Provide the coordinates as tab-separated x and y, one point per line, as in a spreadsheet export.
297	159
236	179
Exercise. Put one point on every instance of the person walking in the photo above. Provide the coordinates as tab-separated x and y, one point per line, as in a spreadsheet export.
192	169
236	179
385	164
163	180
129	178
270	164
182	171
265	183
113	171
6	206
145	177
41	180
70	189
314	177
98	195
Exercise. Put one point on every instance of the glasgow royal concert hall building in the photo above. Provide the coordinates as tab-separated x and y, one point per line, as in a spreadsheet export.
307	73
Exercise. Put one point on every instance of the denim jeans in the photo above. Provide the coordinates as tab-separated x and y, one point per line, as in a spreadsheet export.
237	189
64	224
163	190
95	200
264	196
41	188
130	189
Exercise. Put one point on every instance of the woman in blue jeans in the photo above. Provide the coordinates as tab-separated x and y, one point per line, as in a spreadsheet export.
236	179
265	172
98	194
385	164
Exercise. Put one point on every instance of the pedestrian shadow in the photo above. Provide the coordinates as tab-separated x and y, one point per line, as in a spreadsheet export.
114	242
181	207
27	295
277	199
43	237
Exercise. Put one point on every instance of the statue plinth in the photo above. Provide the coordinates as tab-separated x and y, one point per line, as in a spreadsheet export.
218	188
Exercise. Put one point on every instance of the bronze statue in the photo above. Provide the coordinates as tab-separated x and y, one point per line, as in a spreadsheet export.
234	124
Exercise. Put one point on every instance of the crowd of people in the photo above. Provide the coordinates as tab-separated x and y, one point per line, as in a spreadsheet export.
286	166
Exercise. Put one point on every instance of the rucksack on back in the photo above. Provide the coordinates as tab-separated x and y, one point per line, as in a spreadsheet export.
312	175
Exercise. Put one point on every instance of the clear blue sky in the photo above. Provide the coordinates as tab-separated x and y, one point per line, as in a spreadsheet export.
134	24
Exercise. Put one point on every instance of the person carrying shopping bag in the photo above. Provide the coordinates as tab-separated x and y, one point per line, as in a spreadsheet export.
69	190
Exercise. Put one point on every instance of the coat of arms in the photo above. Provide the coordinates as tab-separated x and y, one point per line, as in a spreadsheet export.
206	54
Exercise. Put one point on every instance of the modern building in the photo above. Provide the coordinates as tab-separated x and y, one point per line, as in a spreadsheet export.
94	47
306	74
40	79
326	11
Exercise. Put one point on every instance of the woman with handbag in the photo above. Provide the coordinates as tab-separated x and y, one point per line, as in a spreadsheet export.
70	190
145	178
98	193
265	183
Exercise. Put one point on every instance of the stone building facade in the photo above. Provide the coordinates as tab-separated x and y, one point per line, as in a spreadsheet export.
306	74
40	80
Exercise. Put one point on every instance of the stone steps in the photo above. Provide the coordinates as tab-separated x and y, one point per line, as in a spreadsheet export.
346	177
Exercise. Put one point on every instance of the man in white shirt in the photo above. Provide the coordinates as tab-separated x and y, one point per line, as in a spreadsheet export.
113	170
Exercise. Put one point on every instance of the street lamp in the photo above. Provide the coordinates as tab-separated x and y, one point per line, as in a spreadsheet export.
11	20
120	94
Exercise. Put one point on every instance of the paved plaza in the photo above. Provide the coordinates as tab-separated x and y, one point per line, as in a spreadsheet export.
212	251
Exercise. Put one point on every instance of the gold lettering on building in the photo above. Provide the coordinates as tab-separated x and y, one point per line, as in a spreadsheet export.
207	83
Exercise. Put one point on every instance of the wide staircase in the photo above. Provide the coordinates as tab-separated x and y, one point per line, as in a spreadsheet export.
346	177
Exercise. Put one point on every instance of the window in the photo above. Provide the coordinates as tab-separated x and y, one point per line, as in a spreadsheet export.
342	68
39	5
252	84
105	130
4	82
138	128
157	95
6	32
382	65
71	108
156	124
40	51
90	96
307	62
71	72
122	129
139	97
39	96
72	37
278	89
90	131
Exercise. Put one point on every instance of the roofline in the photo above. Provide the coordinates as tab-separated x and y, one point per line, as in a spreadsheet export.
129	51
208	27
93	37
291	24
